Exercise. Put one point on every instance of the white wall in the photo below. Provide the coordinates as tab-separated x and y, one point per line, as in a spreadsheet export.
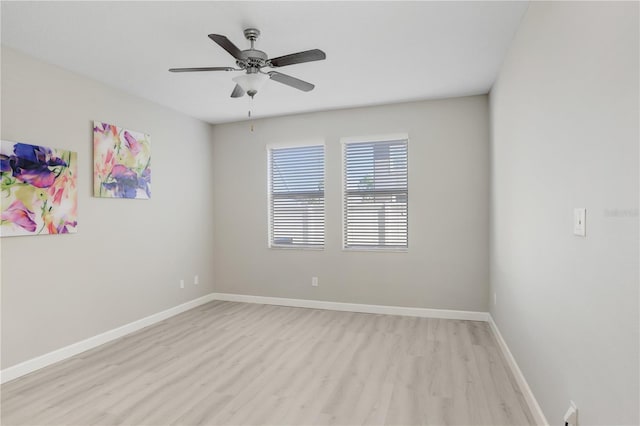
446	266
564	122
128	256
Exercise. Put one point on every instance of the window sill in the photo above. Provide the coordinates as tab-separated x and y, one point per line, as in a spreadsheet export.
296	248
380	250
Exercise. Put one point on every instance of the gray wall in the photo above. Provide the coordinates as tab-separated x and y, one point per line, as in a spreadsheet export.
447	263
564	116
128	256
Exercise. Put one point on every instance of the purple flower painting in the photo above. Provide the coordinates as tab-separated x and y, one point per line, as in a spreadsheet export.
38	190
121	162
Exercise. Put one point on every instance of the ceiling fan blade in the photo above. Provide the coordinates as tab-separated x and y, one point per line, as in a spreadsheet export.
238	92
201	69
297	58
291	81
226	44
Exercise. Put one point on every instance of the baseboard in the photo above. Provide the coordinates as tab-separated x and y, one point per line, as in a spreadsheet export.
536	411
355	307
37	363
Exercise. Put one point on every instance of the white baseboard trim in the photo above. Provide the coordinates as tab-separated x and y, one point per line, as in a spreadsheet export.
355	307
536	411
37	363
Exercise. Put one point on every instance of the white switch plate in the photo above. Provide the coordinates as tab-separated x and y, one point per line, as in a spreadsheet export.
314	281
579	221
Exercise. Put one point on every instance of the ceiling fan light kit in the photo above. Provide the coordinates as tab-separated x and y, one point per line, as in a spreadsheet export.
252	61
250	83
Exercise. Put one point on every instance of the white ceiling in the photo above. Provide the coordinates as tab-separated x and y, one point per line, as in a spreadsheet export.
377	52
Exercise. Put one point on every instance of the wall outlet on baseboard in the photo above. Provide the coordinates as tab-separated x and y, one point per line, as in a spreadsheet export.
571	417
314	281
181	283
196	280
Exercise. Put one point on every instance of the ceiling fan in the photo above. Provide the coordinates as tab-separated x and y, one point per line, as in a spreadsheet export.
252	61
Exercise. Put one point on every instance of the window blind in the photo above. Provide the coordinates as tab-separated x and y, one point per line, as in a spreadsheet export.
296	190
376	195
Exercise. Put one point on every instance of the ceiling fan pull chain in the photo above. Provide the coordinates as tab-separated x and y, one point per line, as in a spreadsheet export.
249	112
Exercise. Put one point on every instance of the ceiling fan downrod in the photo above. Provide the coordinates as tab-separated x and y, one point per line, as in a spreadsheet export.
252	35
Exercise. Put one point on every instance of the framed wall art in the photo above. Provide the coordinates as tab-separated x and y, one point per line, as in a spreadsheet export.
38	190
121	162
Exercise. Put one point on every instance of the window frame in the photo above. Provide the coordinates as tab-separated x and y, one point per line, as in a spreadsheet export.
369	139
291	145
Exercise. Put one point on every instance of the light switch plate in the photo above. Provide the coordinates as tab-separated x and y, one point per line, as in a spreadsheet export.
579	222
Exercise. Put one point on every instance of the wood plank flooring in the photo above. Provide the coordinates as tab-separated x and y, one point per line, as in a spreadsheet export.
227	363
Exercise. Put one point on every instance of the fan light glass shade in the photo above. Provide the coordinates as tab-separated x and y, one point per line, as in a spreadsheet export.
251	82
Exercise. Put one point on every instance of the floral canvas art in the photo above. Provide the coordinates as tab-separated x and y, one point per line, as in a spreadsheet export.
38	190
121	162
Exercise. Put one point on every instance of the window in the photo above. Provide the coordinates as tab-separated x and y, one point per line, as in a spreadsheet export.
376	195
296	197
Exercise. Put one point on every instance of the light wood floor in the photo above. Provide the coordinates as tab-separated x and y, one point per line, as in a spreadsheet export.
228	363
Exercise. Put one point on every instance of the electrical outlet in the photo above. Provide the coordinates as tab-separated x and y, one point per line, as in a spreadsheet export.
181	283
571	417
314	281
495	299
196	280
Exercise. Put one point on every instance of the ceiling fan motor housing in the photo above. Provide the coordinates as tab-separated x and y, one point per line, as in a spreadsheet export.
252	58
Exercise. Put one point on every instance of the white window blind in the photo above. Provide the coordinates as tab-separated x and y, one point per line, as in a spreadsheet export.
296	192
376	195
